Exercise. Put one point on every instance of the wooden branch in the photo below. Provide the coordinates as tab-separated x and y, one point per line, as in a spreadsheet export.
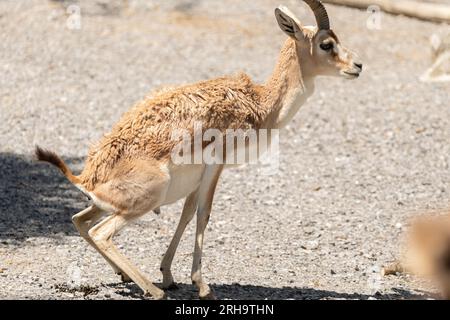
437	12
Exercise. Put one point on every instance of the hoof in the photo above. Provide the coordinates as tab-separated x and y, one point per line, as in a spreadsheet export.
168	282
207	296
157	296
125	278
171	287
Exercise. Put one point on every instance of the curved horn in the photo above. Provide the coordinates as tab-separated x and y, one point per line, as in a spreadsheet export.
323	22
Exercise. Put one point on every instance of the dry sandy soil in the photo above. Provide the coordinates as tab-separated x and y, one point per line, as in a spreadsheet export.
360	159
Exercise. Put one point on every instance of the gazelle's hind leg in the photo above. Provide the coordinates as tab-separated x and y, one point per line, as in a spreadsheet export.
136	187
188	213
84	221
102	235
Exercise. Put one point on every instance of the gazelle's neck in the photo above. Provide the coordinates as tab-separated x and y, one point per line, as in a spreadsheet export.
288	88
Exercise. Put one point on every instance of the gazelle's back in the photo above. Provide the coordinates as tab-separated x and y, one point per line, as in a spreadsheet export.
145	130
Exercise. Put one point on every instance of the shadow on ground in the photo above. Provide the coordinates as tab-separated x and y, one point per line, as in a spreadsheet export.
249	292
35	199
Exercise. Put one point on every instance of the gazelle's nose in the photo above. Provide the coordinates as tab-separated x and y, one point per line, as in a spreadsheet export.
359	65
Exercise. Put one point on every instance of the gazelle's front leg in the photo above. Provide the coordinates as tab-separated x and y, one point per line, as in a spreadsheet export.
188	213
206	195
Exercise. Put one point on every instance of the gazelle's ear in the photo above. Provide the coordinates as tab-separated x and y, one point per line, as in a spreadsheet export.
287	23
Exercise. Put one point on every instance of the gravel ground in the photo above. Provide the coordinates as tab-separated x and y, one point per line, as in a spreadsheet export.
359	160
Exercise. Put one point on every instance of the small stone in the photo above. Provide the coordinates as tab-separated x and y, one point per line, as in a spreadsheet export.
420	130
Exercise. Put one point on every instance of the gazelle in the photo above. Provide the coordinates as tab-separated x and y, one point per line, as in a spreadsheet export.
130	172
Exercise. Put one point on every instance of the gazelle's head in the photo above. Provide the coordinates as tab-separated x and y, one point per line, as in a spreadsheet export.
319	45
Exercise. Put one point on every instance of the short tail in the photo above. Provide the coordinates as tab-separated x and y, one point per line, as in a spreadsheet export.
54	159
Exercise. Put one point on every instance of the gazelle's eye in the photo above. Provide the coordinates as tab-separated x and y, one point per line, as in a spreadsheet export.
326	46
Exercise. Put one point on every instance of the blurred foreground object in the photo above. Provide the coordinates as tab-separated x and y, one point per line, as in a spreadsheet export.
427	252
440	69
438	11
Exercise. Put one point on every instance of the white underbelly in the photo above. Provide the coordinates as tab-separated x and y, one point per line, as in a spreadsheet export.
184	179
